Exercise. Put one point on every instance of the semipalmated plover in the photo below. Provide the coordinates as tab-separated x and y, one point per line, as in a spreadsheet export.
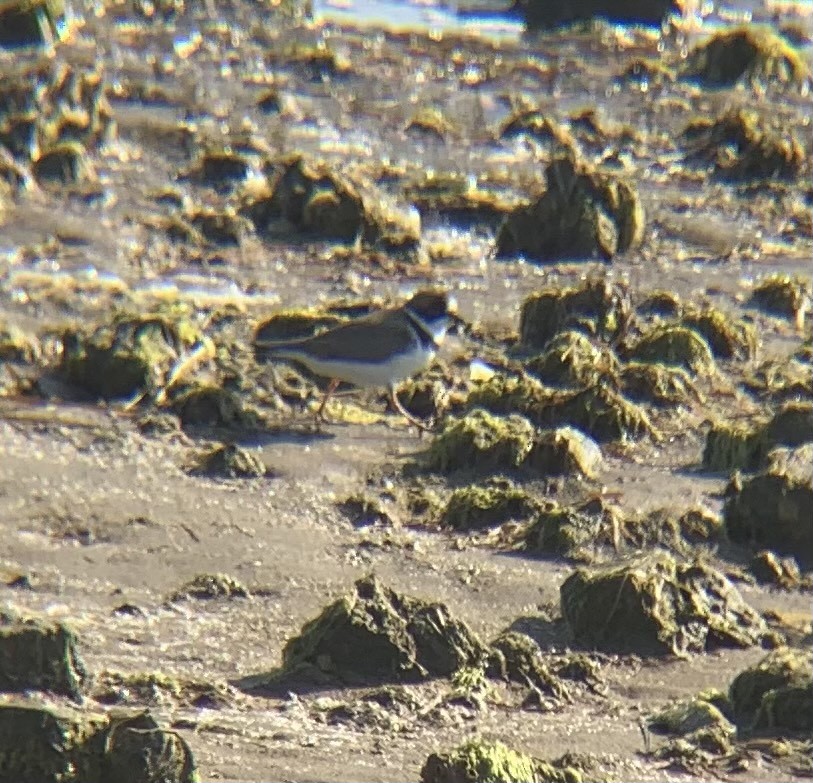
378	350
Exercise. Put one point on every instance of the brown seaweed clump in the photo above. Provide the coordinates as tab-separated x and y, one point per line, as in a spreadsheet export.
597	308
583	213
774	509
307	200
741	148
657	606
37	654
478	761
776	693
752	53
480	506
376	635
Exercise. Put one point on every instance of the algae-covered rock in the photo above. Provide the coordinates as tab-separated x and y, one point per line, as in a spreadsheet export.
478	761
599	307
309	200
782	572
545	14
138	750
583	214
376	634
658	384
483	442
783	295
486	505
728	338
774	509
37	654
210	586
42	744
689	715
562	531
571	359
776	693
677	346
64	163
656	606
230	461
741	148
752	53
518	658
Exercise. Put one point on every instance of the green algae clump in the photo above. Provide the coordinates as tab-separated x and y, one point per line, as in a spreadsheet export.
752	53
572	360
598	307
562	531
483	442
486	505
583	214
677	346
689	715
478	761
658	606
733	446
776	693
377	635
658	384
727	337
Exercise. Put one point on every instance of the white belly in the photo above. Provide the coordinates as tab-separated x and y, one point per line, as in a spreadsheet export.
401	366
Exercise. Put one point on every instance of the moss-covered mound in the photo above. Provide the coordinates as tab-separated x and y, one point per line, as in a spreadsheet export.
752	53
741	148
686	716
563	531
733	446
657	606
776	693
565	451
302	199
37	654
478	761
677	346
597	411
571	359
377	635
598	308
774	509
486	505
481	441
728	337
783	295
131	355
517	657
583	213
658	384
542	14
72	746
